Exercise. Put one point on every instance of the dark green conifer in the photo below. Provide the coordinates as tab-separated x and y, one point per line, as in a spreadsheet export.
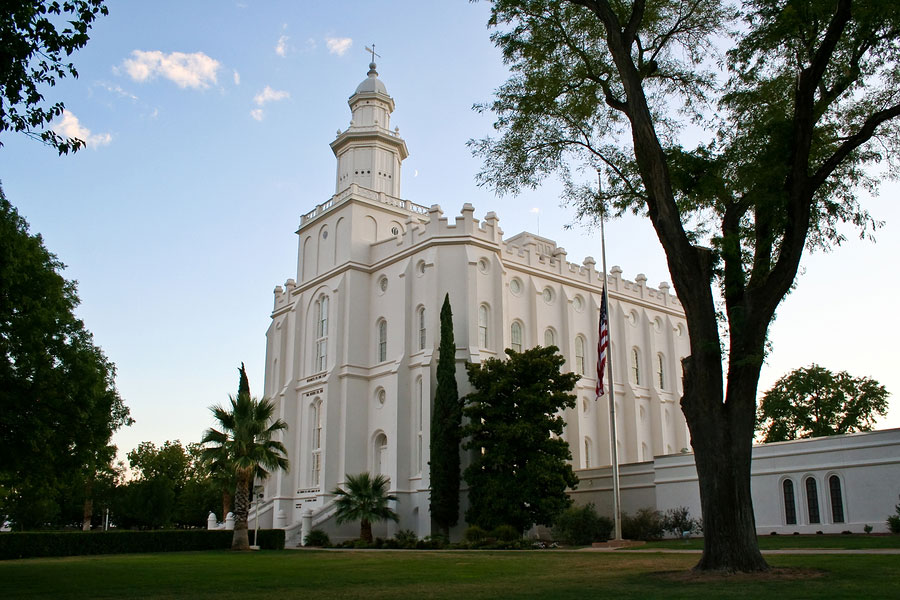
446	430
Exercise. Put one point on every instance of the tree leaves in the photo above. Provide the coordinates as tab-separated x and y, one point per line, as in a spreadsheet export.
813	402
34	46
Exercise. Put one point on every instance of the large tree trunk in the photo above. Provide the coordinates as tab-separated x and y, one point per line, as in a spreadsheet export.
240	540
365	530
88	510
721	435
226	504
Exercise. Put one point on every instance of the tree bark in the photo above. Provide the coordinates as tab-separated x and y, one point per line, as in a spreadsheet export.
365	530
240	540
88	510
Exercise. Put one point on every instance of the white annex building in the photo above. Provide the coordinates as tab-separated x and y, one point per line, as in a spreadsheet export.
352	347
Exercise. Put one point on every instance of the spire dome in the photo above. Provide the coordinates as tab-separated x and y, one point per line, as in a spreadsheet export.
371	84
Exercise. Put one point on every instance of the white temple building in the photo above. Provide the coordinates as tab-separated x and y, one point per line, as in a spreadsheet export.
352	348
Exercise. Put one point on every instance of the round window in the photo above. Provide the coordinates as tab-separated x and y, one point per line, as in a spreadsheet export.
483	265
548	295
380	396
420	268
578	303
383	284
395	230
515	286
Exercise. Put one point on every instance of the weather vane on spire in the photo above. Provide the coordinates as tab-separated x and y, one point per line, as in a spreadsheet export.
372	50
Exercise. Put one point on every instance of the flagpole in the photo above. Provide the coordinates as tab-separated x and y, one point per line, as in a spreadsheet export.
613	444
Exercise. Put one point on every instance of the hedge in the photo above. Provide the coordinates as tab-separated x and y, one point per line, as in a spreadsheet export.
75	543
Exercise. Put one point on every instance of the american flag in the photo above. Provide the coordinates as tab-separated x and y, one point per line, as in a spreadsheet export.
602	345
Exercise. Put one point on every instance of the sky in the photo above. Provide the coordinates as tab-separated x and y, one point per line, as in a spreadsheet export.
208	124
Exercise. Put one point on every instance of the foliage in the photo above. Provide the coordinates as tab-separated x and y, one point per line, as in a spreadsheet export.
474	533
77	543
581	526
317	537
365	499
506	533
812	402
794	112
34	51
518	475
678	520
169	488
406	538
446	430
645	525
893	521
245	441
58	401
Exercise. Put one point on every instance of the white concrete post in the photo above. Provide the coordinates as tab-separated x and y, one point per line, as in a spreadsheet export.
229	521
211	520
305	525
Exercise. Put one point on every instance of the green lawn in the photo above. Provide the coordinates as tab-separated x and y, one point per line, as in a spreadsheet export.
411	574
786	542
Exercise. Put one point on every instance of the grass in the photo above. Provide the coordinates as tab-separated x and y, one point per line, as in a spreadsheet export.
412	574
791	542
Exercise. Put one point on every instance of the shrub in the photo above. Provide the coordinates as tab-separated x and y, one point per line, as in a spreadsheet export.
646	524
76	543
893	522
867	528
581	525
678	520
474	534
317	538
406	538
506	533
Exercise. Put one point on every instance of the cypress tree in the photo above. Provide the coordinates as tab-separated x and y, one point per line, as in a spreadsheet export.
446	430
244	384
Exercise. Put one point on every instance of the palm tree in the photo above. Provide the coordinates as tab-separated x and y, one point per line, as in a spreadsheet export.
365	500
244	439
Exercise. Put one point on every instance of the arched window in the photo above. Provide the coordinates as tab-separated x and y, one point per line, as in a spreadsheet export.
515	334
660	371
587	453
321	353
549	338
316	443
483	326
812	500
837	499
635	366
790	506
579	355
421	328
382	340
380	455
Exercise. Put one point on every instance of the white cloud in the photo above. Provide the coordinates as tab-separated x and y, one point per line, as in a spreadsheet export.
237	78
338	46
195	70
281	46
270	95
310	45
68	126
257	113
115	89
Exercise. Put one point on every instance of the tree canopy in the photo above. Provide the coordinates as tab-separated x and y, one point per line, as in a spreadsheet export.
793	102
812	402
36	40
518	475
245	441
58	401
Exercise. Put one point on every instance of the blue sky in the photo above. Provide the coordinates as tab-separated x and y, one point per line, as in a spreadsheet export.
208	125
